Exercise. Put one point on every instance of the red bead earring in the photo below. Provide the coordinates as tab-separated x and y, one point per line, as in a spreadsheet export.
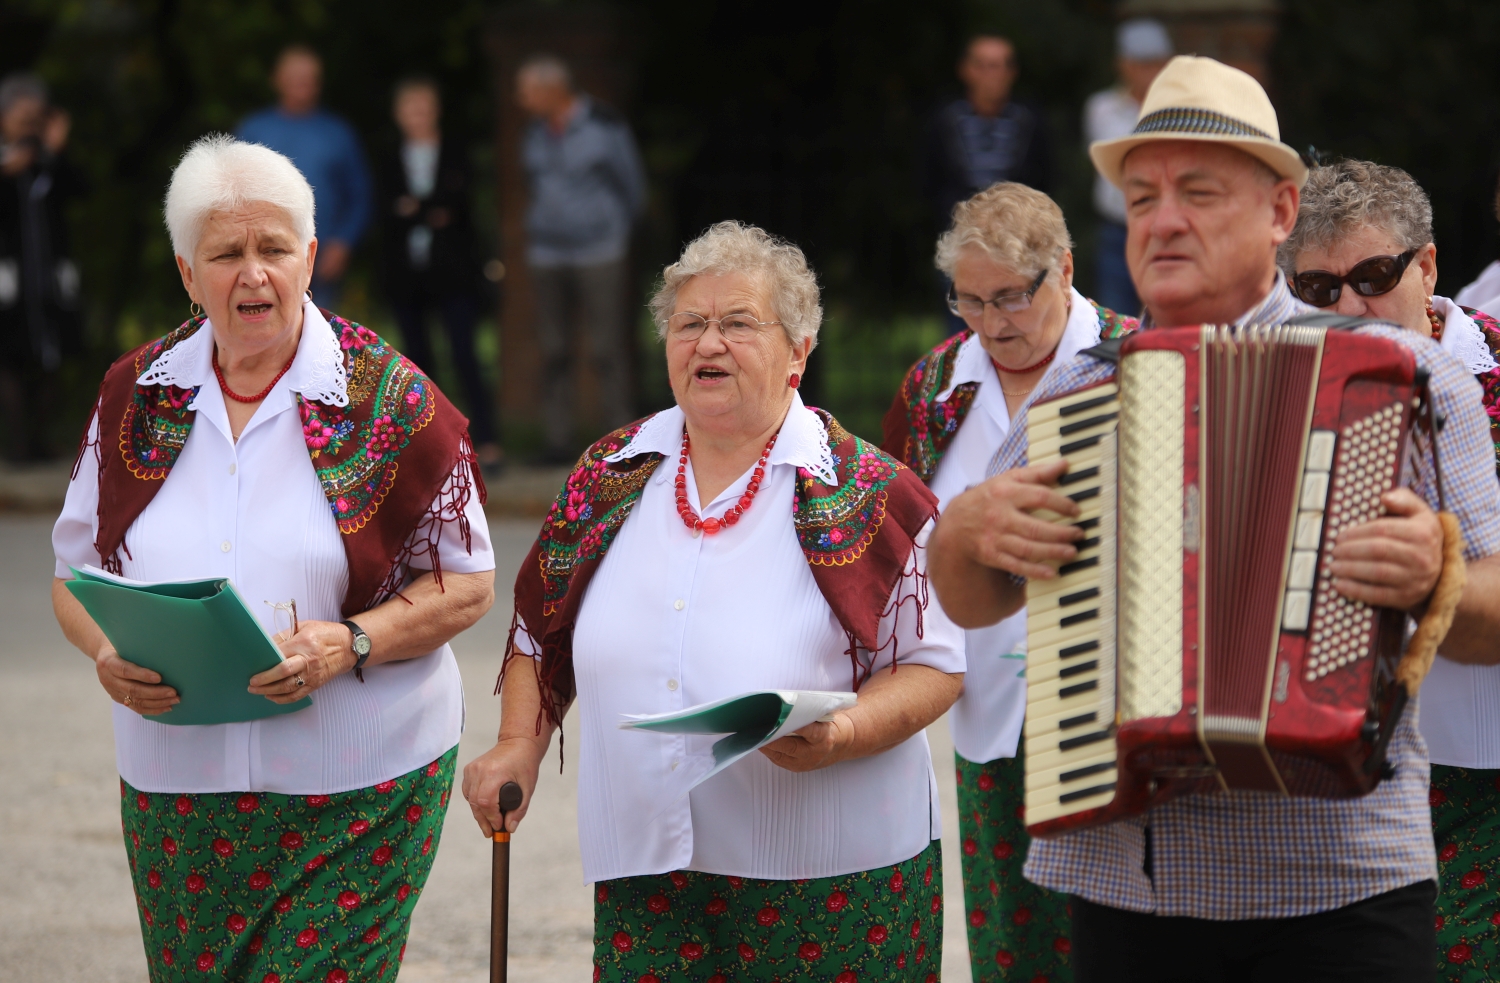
794	381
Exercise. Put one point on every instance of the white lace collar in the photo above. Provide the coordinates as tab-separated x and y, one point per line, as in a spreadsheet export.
317	371
802	441
1463	337
973	362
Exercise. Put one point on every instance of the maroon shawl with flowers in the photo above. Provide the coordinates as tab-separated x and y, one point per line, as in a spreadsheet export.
396	423
858	538
919	428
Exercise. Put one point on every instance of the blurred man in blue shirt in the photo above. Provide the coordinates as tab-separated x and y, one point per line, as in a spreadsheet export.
587	188
327	152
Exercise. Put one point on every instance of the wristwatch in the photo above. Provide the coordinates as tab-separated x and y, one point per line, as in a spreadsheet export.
361	643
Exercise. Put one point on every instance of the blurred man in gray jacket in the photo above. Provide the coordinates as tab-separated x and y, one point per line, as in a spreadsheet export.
587	189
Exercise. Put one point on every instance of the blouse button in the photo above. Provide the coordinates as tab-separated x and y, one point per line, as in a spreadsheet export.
672	685
231	467
224	546
679	604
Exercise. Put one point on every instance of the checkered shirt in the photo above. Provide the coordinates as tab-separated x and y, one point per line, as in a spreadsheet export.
1240	855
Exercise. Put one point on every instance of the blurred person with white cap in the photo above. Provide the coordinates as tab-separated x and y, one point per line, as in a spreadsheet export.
1241	885
1142	47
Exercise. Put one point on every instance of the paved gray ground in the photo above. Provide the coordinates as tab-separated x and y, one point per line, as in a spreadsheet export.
66	910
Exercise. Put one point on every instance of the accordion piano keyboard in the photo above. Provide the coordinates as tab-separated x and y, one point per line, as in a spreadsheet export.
1070	663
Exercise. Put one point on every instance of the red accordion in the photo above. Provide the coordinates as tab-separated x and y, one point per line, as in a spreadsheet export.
1196	642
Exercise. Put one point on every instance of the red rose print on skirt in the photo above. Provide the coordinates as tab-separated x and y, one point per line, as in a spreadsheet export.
716	906
623	941
291	841
768	916
260	880
836	901
307	938
690	950
247	803
236	923
877	934
810	951
658	903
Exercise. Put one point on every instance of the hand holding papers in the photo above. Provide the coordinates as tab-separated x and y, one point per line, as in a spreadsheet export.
198	635
750	721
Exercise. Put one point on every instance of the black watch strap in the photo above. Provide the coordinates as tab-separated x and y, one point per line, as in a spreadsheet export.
362	647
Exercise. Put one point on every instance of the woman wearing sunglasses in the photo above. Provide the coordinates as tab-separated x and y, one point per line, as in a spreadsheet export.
1363	246
1009	256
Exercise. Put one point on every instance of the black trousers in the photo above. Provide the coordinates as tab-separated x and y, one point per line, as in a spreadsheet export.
1389	938
460	313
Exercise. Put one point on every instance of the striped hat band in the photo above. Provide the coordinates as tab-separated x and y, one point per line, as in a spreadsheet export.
1198	122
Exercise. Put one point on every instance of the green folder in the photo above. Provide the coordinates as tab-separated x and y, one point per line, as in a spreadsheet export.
198	635
751	721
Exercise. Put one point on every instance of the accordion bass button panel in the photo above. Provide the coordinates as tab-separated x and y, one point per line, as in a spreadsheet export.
1340	630
1070	742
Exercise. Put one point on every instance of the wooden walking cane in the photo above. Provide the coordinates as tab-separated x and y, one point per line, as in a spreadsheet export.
510	799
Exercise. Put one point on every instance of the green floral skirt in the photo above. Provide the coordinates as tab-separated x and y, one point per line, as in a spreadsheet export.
689	927
1017	931
267	888
1466	831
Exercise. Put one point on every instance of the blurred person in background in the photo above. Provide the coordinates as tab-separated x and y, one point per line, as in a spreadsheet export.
39	283
430	257
984	138
587	189
327	152
1142	47
1484	293
1010	256
1363	247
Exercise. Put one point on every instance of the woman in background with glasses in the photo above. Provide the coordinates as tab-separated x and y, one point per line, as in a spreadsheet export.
736	542
1363	247
1010	258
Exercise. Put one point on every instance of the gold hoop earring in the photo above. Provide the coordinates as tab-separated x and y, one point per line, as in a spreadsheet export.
194	309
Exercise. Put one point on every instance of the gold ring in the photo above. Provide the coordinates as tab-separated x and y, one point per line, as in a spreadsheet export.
127	699
300	681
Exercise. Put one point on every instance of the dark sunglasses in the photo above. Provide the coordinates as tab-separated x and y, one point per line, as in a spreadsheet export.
1370	278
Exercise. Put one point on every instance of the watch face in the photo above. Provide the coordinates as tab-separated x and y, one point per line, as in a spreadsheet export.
361	644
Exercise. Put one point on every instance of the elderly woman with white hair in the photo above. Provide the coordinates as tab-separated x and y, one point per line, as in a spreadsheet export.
1009	257
738	541
326	470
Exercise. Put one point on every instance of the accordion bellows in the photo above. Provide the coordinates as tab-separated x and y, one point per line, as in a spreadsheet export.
1196	642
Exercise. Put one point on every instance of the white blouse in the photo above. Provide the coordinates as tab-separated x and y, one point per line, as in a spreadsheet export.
671	620
986	721
254	512
1460	718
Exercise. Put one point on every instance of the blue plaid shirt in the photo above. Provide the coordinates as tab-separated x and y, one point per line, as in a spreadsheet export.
1240	855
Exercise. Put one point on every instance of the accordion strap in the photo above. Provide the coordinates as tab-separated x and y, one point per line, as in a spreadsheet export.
1434	625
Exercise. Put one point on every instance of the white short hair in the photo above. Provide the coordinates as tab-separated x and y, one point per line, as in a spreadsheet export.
733	247
219	173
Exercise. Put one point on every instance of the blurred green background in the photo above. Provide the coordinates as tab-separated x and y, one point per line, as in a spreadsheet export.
803	117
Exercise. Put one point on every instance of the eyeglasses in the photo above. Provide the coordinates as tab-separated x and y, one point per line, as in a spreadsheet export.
1369	278
684	326
1010	303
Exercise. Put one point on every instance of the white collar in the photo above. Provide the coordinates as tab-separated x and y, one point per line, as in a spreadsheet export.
317	370
1464	338
802	441
973	363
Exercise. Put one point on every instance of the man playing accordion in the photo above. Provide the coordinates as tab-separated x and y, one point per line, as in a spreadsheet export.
1241	885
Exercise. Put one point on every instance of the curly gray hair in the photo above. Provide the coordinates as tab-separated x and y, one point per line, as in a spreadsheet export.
733	247
1018	227
1346	195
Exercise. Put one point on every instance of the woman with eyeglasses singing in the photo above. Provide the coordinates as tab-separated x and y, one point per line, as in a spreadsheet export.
1010	258
1363	247
738	541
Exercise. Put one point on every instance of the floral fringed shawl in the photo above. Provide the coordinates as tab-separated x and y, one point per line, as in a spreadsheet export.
1490	381
918	427
382	460
859	540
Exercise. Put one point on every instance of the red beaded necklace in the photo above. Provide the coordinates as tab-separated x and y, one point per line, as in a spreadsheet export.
710	526
1029	368
224	386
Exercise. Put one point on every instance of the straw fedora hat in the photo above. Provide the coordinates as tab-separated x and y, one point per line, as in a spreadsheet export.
1201	99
